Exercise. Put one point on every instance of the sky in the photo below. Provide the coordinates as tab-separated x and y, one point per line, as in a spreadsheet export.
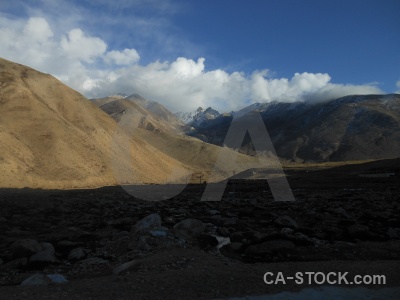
220	53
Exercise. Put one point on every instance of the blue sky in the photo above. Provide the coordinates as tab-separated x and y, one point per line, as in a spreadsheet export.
220	53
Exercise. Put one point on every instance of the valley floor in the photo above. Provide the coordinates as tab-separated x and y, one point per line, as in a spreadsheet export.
340	222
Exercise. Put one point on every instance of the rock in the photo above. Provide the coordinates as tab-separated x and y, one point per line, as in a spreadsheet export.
230	221
391	233
25	248
76	254
232	250
206	241
270	247
286	230
93	261
41	259
144	243
15	264
259	237
158	233
47	247
152	221
65	247
342	212
317	243
126	267
36	279
189	228
40	279
213	212
286	221
1	262
237	237
358	231
300	239
121	223
223	231
120	235
57	278
217	220
222	241
236	247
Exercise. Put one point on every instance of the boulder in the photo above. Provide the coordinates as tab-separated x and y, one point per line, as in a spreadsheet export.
40	279
25	248
286	221
93	261
65	246
42	259
232	250
36	279
126	267
47	247
57	278
206	241
15	264
149	222
76	254
189	228
358	231
391	233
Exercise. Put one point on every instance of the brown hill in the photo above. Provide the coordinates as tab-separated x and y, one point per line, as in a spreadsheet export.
53	137
143	113
154	124
201	157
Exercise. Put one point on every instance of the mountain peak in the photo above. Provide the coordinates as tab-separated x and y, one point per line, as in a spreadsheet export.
195	118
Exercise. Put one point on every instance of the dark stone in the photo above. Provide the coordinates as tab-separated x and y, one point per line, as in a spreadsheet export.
231	251
223	231
25	248
206	241
15	264
147	223
358	231
286	221
76	254
65	247
36	279
189	228
42	259
237	237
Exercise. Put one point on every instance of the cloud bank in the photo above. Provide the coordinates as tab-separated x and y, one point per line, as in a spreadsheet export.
87	64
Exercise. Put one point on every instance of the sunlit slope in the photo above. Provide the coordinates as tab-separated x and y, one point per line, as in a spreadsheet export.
53	137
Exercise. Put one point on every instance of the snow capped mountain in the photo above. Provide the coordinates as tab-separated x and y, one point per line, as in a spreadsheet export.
197	117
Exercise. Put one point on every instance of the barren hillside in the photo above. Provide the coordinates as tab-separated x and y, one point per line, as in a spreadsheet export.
53	137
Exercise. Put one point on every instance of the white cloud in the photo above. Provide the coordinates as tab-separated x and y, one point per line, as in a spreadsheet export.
38	30
78	46
77	58
125	57
398	86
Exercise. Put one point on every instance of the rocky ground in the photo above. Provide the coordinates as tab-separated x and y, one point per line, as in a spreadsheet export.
105	243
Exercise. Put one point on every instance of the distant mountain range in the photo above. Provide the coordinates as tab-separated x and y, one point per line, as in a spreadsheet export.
198	117
349	128
53	137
